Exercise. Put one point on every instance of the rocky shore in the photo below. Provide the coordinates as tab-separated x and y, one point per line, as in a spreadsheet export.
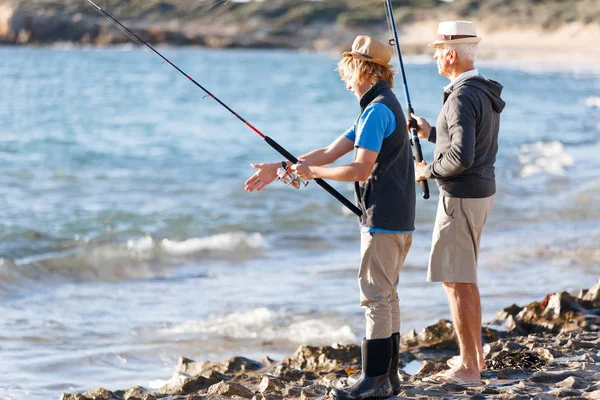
537	30
545	350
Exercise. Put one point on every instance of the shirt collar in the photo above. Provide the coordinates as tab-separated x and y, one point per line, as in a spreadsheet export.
464	75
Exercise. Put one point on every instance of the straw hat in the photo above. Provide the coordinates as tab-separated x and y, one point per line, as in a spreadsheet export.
456	32
368	49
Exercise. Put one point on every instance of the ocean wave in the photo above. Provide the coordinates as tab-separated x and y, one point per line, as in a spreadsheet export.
266	325
544	158
236	244
137	258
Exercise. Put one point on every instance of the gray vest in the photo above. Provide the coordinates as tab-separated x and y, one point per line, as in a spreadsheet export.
387	197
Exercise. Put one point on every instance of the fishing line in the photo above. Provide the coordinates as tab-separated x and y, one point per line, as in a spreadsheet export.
276	146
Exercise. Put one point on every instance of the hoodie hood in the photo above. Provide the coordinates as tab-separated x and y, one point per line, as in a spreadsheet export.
491	88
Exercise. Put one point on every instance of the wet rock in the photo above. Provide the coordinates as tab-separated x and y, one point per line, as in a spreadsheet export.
230	389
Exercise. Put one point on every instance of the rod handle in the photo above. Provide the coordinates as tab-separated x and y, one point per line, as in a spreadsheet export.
416	145
319	181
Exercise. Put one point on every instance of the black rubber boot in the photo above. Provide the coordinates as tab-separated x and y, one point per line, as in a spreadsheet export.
374	382
395	379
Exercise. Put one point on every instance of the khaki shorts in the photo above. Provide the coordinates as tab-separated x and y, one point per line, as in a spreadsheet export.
456	236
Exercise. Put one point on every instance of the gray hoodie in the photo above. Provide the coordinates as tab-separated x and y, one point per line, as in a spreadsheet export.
466	139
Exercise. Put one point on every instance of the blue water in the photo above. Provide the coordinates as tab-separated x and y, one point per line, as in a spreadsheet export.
127	239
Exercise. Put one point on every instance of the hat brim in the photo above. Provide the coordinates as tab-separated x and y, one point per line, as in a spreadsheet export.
470	40
362	57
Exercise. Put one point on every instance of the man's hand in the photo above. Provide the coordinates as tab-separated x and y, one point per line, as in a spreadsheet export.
423	127
302	168
420	171
267	172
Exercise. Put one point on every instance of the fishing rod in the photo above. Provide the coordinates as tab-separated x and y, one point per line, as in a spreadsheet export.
414	138
267	139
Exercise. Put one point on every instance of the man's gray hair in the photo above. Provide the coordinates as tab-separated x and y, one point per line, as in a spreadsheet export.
467	52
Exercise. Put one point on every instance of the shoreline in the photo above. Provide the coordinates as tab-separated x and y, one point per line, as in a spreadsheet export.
544	350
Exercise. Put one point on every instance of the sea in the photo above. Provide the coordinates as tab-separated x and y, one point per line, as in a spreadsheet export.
127	239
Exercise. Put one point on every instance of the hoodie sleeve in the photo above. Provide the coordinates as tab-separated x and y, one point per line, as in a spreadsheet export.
461	119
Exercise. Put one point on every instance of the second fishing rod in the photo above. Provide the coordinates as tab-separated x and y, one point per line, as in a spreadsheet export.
267	139
414	137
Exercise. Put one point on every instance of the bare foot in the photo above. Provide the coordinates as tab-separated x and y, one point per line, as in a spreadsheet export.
459	376
455	362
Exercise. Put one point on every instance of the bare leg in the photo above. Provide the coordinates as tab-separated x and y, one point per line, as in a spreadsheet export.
467	325
456	361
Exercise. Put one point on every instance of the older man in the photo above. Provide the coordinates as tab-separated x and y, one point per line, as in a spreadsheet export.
466	143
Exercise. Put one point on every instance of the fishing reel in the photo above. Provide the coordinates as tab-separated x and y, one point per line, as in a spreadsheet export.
289	177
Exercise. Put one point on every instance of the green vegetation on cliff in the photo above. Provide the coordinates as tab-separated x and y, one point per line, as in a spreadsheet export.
268	23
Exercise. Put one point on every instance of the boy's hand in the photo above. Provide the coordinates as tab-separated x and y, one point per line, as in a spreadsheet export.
267	172
302	168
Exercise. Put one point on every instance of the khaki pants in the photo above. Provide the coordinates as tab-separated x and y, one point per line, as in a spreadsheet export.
382	256
456	236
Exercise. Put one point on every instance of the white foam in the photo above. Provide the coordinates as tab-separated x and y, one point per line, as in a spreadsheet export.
593	102
318	331
243	324
263	324
225	242
544	157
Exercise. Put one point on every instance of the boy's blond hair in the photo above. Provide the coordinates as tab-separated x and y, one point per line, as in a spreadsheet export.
352	69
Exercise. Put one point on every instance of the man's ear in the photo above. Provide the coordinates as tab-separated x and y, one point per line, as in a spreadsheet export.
452	56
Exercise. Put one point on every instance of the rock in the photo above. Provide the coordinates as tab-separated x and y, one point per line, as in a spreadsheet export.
69	396
573	383
592	395
100	394
593	295
237	364
313	391
230	389
544	396
181	385
291	392
291	374
136	393
270	384
324	359
560	392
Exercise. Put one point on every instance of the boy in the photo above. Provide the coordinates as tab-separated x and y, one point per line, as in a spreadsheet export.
383	174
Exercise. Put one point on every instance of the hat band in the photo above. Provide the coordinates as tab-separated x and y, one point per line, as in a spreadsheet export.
453	37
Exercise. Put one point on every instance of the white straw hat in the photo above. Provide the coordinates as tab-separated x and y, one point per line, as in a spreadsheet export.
456	32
